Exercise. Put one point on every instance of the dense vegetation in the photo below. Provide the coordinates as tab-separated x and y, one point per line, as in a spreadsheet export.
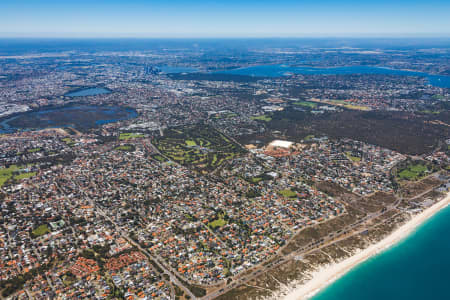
400	131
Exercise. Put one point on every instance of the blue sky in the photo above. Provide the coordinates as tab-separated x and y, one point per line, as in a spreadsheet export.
206	18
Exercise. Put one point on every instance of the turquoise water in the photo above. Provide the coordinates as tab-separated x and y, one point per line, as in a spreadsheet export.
281	70
418	268
88	92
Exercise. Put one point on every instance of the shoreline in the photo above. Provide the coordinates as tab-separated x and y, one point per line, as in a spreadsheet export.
326	275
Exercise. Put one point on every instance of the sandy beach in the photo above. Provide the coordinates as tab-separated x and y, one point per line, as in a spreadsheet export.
328	274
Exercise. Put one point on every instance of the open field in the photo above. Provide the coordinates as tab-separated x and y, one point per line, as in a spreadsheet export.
342	103
24	175
414	171
288	193
69	142
130	135
414	188
200	147
126	147
305	104
159	158
255	179
264	118
6	173
34	150
352	158
14	172
217	223
41	230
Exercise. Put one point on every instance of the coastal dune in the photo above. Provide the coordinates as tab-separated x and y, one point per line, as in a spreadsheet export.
330	273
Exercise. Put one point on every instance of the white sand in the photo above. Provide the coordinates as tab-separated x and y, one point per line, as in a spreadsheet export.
327	274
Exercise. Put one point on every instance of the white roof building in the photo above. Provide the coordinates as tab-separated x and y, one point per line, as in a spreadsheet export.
281	144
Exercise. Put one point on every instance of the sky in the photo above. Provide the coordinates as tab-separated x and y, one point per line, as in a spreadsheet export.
230	18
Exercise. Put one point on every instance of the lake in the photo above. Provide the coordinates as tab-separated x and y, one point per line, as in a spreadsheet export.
88	92
283	70
77	116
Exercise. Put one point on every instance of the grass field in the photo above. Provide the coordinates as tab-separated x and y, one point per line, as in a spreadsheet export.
357	107
413	172
348	105
24	175
217	223
130	135
159	158
259	178
255	179
13	172
352	158
191	143
6	173
125	148
41	230
200	147
34	150
306	104
264	118
288	193
69	142
345	104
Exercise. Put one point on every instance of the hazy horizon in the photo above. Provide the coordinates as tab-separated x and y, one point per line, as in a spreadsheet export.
231	19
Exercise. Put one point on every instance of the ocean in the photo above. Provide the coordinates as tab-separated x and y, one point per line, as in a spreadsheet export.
417	268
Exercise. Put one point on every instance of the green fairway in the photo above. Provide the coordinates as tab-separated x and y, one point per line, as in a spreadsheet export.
200	147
